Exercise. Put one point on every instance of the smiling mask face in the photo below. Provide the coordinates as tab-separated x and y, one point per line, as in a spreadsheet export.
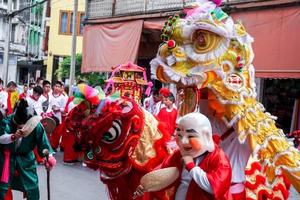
194	135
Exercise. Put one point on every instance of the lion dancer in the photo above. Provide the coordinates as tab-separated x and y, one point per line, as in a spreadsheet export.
204	169
68	139
34	101
18	168
237	153
132	141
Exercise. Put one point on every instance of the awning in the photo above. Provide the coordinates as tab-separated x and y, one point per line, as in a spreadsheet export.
276	42
108	45
276	46
156	24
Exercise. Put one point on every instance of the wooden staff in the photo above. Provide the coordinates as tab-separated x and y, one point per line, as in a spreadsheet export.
46	153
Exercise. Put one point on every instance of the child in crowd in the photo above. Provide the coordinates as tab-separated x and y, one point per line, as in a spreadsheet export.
24	94
13	96
168	113
3	100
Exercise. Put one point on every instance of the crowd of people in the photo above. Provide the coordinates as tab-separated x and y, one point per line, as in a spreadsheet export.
161	103
54	104
20	153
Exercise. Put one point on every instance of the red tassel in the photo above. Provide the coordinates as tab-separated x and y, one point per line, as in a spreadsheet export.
254	166
284	191
8	195
5	169
259	181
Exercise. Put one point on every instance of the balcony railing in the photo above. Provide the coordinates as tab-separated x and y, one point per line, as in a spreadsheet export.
115	8
97	9
15	47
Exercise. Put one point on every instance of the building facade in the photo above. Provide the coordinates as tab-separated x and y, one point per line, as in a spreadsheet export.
274	26
60	33
33	65
18	39
26	61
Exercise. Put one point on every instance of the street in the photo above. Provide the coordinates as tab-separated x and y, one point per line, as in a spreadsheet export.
75	182
70	182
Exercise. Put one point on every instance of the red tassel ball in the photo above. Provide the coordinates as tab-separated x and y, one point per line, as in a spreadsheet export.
171	44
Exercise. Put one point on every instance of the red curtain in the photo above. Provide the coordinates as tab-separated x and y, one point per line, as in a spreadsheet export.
108	45
276	46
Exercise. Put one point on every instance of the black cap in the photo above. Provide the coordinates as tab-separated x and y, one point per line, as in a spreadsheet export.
23	112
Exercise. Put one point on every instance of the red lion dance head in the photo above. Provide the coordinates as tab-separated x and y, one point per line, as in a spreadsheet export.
121	140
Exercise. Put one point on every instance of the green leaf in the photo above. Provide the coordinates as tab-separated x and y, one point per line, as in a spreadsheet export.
93	78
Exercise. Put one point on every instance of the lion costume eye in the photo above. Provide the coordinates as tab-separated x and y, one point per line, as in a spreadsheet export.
206	46
126	106
205	41
113	133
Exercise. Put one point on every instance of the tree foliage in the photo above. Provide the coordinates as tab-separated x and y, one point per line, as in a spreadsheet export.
92	78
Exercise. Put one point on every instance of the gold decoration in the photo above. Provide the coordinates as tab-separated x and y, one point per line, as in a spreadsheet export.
144	150
205	41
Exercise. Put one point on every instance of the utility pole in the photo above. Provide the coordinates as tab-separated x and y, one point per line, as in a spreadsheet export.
73	52
7	43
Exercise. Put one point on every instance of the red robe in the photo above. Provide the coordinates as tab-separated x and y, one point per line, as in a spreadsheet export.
22	96
218	171
68	139
9	104
168	118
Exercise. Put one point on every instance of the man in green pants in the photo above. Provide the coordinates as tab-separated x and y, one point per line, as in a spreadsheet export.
17	160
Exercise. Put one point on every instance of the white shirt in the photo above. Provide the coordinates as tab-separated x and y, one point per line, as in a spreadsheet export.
3	99
43	99
35	104
157	107
30	92
237	153
148	104
58	101
71	106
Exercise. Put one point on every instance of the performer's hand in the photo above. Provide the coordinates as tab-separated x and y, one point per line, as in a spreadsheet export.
138	192
187	159
50	163
55	108
18	134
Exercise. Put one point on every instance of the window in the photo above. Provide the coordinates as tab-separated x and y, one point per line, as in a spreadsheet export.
71	23
1	58
66	23
13	33
82	18
63	23
14	4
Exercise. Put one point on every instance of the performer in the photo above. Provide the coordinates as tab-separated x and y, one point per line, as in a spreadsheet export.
163	93
31	86
24	94
39	81
45	96
3	100
13	96
35	103
150	102
17	159
34	100
68	139
205	170
57	103
168	114
237	153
